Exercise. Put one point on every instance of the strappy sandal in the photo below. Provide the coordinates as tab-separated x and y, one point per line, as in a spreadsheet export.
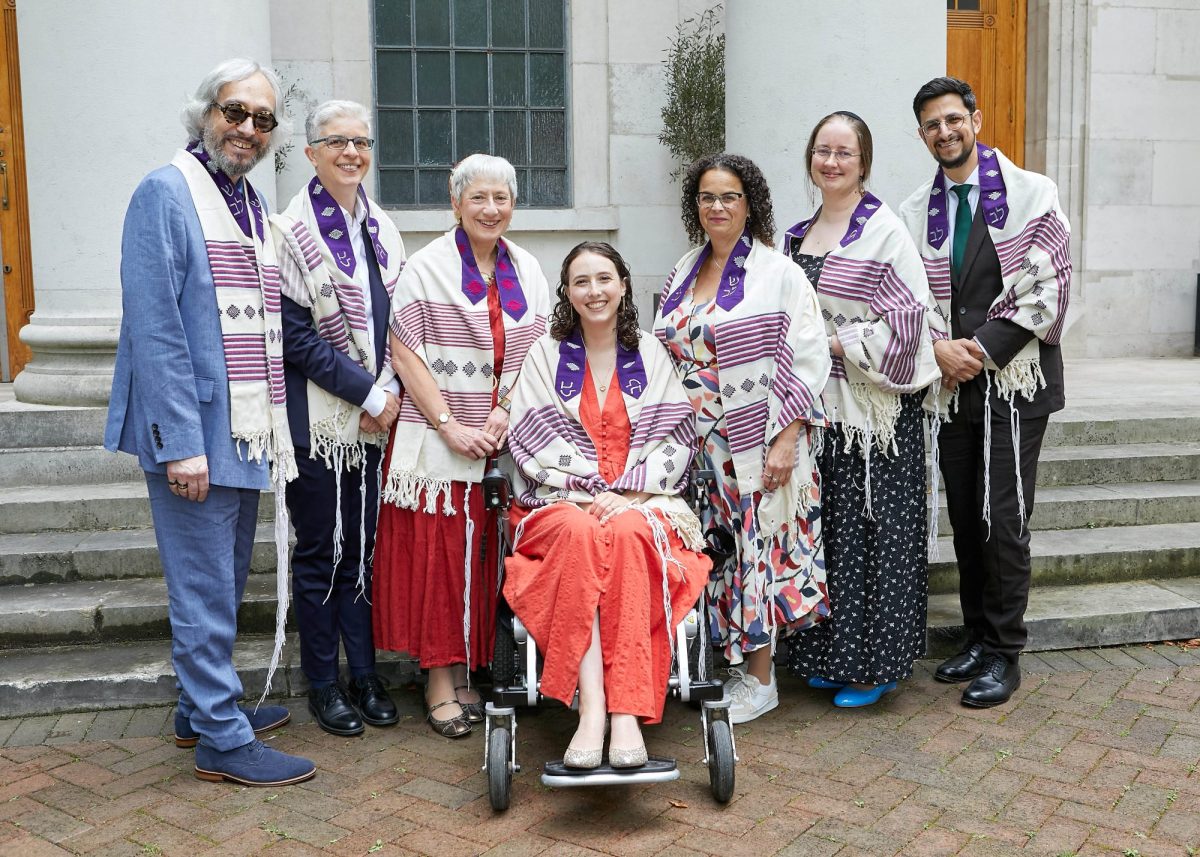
472	710
454	727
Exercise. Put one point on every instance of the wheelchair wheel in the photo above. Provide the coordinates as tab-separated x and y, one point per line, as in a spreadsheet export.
720	760
498	768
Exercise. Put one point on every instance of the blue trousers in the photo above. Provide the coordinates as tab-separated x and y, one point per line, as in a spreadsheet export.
329	608
205	552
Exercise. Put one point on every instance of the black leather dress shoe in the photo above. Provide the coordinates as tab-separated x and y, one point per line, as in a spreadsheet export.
372	701
994	686
964	666
333	711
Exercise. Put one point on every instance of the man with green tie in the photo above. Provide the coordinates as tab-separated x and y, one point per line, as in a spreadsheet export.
996	248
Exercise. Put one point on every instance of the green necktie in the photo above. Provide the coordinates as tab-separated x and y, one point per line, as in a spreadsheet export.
962	226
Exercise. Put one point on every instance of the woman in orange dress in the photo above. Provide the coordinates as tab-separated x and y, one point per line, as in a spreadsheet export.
606	554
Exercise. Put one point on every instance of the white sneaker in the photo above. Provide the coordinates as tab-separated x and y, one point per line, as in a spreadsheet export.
750	698
736	676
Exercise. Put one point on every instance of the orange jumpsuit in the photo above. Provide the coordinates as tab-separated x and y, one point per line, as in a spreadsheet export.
568	566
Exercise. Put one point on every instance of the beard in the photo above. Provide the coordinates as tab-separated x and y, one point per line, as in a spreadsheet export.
234	169
962	158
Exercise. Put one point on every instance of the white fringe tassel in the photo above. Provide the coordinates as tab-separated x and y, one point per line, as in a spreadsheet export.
1014	421
282	583
935	474
467	579
987	453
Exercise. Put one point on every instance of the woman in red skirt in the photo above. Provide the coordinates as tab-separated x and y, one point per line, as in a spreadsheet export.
465	311
606	552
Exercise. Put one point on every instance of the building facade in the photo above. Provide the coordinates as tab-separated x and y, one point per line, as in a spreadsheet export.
1109	91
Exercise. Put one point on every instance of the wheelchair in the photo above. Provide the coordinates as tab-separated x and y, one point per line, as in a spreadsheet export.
515	684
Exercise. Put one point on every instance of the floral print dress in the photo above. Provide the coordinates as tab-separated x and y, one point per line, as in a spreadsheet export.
789	566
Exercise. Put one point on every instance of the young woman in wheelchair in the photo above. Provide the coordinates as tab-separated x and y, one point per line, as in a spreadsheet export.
606	555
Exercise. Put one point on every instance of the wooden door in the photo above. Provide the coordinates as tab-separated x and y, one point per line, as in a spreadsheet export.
14	205
985	46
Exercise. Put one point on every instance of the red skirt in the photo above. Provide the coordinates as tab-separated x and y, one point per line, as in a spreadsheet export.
419	575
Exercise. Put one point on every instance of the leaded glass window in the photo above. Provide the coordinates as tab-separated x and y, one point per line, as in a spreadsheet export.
453	77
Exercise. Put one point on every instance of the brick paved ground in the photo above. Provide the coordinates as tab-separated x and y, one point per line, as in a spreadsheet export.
1097	754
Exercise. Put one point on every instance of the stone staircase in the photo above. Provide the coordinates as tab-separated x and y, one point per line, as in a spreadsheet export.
83	606
83	609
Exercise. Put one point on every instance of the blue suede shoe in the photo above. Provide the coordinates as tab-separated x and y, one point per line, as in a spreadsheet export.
849	697
267	719
253	764
824	683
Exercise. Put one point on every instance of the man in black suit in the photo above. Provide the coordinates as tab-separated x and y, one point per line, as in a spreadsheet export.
995	317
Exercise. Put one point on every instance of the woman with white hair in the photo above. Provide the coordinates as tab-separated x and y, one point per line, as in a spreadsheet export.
465	312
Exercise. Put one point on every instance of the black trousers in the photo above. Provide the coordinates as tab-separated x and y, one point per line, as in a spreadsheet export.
993	566
328	605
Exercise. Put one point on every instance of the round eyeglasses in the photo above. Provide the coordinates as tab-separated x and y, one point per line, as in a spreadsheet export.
235	113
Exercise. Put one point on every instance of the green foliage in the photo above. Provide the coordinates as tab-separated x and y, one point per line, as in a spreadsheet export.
296	104
694	115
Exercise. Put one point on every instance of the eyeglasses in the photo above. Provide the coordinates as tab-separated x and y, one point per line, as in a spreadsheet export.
822	153
727	200
338	143
952	122
235	113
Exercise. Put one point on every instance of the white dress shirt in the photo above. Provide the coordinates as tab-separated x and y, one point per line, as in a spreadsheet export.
376	399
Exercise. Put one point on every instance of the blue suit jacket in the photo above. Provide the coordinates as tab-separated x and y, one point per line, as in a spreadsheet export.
170	393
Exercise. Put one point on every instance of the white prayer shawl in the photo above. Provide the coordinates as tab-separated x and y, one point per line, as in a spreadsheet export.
335	300
434	317
556	460
246	280
772	362
873	295
1032	239
319	250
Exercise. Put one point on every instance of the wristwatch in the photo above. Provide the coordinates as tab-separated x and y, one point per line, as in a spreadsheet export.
442	419
505	403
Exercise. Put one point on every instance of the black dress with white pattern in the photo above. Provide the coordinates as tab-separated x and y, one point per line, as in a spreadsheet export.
876	566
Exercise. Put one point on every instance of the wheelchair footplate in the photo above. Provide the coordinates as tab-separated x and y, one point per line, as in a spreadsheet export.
656	770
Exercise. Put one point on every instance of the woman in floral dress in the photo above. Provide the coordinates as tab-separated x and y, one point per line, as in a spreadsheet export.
744	328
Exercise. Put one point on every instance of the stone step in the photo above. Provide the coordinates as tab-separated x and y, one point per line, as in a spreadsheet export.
125	675
93	611
1068	429
24	425
1099	614
65	557
104	506
1089	556
65	465
1105	464
1071	507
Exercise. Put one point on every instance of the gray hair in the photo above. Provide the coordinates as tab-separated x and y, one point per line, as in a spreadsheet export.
480	167
327	111
195	113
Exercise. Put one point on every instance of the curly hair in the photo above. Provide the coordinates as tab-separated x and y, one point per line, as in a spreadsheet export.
564	319
761	218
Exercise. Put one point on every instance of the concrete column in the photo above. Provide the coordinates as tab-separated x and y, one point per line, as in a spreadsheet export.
790	62
102	86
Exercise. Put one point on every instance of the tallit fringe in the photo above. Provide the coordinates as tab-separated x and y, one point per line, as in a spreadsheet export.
282	583
361	585
987	453
467	580
339	537
935	474
882	412
663	546
1022	376
329	448
687	526
404	489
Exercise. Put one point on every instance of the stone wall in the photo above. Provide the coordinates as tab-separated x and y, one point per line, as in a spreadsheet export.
620	174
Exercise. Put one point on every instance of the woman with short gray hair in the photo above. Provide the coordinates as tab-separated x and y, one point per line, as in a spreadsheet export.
466	310
340	257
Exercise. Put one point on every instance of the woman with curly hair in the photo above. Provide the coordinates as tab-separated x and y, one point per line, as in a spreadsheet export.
744	328
606	553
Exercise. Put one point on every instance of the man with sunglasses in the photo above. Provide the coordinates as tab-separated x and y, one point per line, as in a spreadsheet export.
996	248
198	397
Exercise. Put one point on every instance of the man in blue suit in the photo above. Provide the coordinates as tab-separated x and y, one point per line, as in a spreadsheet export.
193	398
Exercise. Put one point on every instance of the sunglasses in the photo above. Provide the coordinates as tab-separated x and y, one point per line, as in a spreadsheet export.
235	113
